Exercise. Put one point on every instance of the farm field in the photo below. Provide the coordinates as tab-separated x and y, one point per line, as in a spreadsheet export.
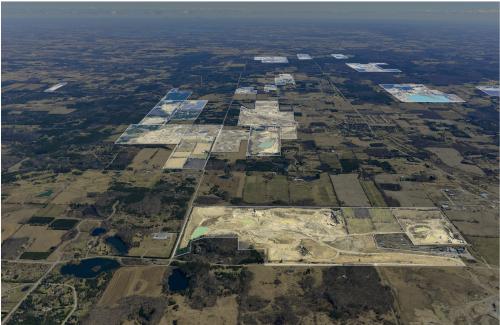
133	281
349	190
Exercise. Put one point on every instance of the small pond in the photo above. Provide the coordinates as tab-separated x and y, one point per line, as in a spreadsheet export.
177	281
98	231
90	268
118	244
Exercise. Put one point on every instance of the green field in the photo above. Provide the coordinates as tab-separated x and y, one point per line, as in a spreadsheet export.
263	188
374	196
487	247
40	221
384	221
357	225
318	192
34	255
260	189
63	224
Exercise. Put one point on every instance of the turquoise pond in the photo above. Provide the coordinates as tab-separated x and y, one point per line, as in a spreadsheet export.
428	99
198	232
266	144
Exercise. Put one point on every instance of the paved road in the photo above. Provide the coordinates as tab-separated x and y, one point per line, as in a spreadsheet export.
193	198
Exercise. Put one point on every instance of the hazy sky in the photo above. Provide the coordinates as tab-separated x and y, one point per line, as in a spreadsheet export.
469	11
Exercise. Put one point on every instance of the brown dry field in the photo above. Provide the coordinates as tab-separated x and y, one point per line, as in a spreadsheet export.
34	190
475	221
43	238
8	229
175	163
154	247
233	185
53	210
225	312
464	296
130	281
18	213
453	158
150	158
411	195
78	189
263	282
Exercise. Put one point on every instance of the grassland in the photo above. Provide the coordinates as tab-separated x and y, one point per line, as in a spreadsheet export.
349	190
374	196
133	281
263	188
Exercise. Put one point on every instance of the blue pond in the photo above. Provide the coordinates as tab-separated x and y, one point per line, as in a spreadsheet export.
428	98
90	268
98	231
177	281
118	244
